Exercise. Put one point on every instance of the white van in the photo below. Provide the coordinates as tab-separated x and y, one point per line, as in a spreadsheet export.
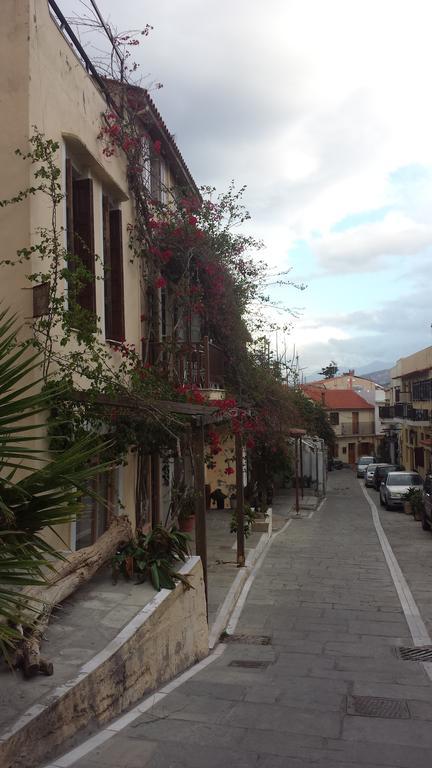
362	464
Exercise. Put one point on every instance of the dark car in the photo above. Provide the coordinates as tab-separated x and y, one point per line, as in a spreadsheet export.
427	504
382	471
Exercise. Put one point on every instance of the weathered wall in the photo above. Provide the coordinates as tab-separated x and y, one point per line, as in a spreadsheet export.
165	638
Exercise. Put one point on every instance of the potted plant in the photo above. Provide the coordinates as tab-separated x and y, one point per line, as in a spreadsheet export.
413	502
183	501
155	556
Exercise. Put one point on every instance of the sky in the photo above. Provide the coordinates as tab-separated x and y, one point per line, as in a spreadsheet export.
323	109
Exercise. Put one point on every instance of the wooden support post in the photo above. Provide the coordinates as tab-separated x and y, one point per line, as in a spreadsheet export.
301	467
240	501
206	362
200	503
296	475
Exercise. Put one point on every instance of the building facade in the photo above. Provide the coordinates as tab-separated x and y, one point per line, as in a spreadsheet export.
49	86
351	417
407	415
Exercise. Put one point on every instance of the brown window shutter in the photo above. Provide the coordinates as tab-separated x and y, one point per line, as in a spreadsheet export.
116	288
69	207
84	239
155	179
107	266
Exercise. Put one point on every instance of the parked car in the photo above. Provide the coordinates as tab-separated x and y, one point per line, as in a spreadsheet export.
334	464
362	463
369	475
427	504
381	473
395	486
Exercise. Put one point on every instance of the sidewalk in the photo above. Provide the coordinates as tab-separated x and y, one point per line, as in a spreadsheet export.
85	624
314	677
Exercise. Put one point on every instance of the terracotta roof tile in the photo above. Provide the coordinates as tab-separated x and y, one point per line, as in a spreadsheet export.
337	399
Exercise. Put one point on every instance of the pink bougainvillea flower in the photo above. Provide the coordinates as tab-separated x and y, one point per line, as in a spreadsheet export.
160	282
192	220
157	146
166	256
229	471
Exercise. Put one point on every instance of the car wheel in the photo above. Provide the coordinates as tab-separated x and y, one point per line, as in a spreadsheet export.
387	506
424	522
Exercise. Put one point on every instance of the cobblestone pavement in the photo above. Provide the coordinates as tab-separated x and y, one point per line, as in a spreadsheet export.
329	690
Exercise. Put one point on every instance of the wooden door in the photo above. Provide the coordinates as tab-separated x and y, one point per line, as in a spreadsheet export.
351	453
355	423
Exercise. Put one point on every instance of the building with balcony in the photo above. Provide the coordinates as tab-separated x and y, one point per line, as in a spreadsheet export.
407	415
352	418
49	82
367	389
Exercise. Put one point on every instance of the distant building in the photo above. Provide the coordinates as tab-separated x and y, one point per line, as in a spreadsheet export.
351	416
407	415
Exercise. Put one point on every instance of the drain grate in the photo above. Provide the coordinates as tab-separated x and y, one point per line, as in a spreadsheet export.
421	653
247	639
370	706
249	664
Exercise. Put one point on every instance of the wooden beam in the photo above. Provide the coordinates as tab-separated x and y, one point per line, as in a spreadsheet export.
240	501
200	503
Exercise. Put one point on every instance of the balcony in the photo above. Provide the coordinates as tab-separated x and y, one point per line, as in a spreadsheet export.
404	412
199	363
352	430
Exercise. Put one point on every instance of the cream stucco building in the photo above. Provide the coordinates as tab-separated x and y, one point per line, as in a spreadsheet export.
48	86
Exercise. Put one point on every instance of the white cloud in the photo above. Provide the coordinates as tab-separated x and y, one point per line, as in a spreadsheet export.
362	248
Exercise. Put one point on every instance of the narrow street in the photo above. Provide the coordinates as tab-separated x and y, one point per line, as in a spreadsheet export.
324	601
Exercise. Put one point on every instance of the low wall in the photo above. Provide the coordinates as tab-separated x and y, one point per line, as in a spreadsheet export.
166	637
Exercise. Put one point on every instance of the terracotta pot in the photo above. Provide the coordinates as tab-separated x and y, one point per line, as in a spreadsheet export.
407	508
187	524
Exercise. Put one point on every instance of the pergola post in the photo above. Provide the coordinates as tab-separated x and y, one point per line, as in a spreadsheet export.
240	501
200	501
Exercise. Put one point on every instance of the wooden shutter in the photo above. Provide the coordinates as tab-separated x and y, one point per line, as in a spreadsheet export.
69	207
155	179
84	239
117	288
107	267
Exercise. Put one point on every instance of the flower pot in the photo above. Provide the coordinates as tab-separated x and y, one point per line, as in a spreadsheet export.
407	508
187	524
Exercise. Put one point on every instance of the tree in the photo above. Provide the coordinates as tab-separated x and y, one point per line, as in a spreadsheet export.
38	489
329	371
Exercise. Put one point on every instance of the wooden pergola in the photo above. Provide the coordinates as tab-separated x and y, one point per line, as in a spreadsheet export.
200	416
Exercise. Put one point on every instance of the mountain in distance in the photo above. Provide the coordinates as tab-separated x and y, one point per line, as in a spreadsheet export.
377	371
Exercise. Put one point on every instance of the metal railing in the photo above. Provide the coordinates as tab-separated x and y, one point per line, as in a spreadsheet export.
404	411
199	363
351	430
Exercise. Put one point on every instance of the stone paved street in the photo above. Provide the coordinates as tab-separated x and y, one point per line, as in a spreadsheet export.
325	597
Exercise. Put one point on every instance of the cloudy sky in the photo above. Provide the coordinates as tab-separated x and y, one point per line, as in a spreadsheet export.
323	108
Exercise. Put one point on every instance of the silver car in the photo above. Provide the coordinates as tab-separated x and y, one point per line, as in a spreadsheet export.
362	463
369	476
395	486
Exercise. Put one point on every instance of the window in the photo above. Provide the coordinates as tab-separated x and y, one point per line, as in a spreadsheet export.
155	175
113	271
80	237
344	449
98	512
334	418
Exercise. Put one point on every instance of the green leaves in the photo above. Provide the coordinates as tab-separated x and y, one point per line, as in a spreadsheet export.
155	555
38	490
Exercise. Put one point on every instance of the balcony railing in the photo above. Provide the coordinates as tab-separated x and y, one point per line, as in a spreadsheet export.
198	363
404	411
351	430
